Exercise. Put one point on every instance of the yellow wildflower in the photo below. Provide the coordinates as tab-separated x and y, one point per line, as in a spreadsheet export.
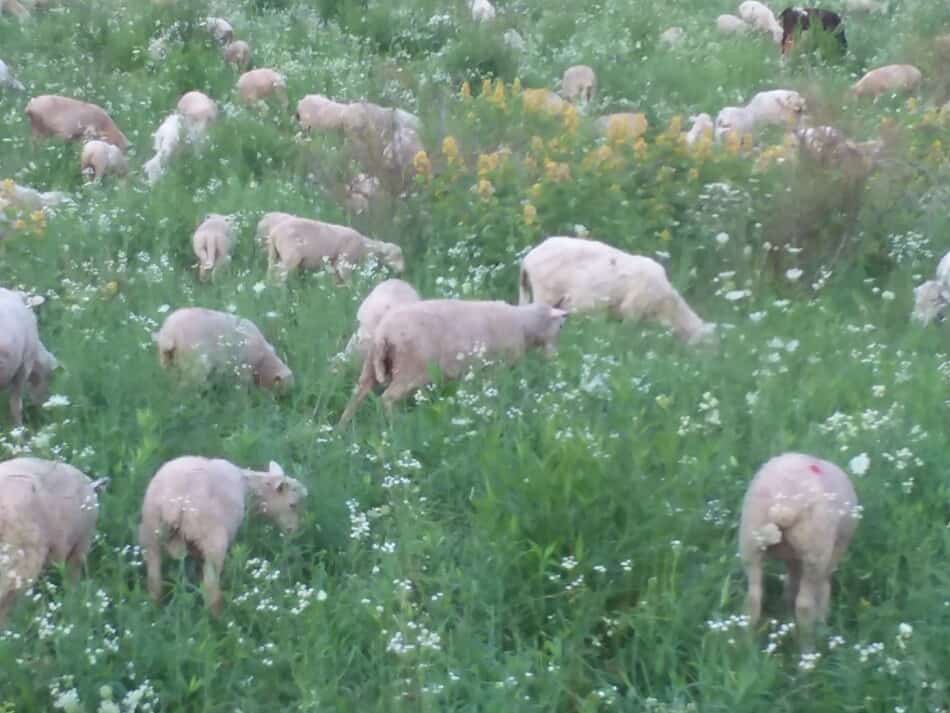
110	289
530	214
733	141
19	224
640	148
486	88
450	149
557	172
485	189
666	235
421	164
530	164
6	186
537	144
911	104
487	162
535	191
466	91
571	119
626	126
498	95
675	127
516	87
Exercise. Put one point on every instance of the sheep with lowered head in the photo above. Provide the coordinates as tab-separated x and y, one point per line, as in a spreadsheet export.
196	506
889	79
759	17
72	120
932	298
453	335
579	84
100	159
212	243
803	511
267	223
261	85
238	53
588	275
48	513
385	296
24	361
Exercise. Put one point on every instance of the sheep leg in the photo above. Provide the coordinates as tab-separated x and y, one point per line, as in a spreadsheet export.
793	578
153	564
824	600
74	564
753	602
6	603
806	608
16	406
211	579
399	390
362	391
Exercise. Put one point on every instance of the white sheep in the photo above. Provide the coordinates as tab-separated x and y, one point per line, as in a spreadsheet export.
801	510
72	120
166	142
579	84
261	85
198	112
735	120
932	298
48	513
782	107
702	125
196	506
221	30
200	341
732	25
100	158
453	335
588	275
238	53
300	243
24	361
482	10
212	242
889	79
759	17
7	80
385	296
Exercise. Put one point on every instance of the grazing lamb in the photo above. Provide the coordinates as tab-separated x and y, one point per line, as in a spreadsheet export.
482	10
732	25
889	79
587	275
932	298
261	85
48	513
798	20
199	341
759	17
195	506
579	84
452	335
7	80
385	296
220	30
267	223
72	120
238	53
803	511
316	112
100	158
198	111
300	243
702	125
24	361
212	243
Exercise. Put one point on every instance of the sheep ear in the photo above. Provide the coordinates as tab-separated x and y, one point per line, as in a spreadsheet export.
281	486
275	469
98	485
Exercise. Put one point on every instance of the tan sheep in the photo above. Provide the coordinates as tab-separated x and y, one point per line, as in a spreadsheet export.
579	84
889	79
195	506
24	361
453	335
801	510
72	120
267	223
587	275
212	243
100	158
385	296
317	113
198	112
48	513
14	8
732	25
220	29
200	341
261	85
238	53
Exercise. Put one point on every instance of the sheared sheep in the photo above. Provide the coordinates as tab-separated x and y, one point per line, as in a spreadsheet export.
72	120
261	85
266	224
166	142
212	243
100	158
890	79
386	295
24	361
759	17
198	111
238	53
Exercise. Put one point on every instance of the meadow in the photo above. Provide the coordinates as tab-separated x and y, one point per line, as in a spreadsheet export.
560	536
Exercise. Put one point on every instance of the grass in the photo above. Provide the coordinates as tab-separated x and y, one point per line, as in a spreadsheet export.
557	537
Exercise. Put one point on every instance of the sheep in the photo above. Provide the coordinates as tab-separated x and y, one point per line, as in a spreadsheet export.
48	513
932	298
452	335
702	125
7	80
732	25
778	106
316	112
622	126
72	120
200	341
801	510
890	79
734	120
100	158
166	142
579	84
198	111
24	360
759	17
212	242
482	10
303	243
266	224
799	19
673	37
187	125
385	296
260	85
582	275
220	30
196	506
27	198
238	53
13	7
399	153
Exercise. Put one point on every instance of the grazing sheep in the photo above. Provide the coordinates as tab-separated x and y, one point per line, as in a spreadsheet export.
932	298
579	84
195	506
622	126
199	341
587	275
24	197
782	107
212	243
482	10
385	296
300	243
316	112
797	20
24	361
702	125
7	80
803	511
260	85
100	158
452	335
759	17
889	79
72	120
734	120
238	53
673	37
399	153
267	223
220	30
166	142
198	111
48	513
732	25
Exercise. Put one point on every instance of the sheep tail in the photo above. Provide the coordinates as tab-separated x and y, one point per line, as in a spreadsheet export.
380	360
524	287
166	348
781	517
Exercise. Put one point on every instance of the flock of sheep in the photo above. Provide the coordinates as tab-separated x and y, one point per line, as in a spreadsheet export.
798	508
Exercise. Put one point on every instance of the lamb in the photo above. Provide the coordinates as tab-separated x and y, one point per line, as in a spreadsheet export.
72	120
198	111
303	243
453	335
196	506
238	53
261	85
220	29
24	361
48	513
732	25
317	113
200	341
212	243
100	158
385	296
579	84
582	275
759	17
801	510
482	10
890	79
702	125
7	80
932	298
267	223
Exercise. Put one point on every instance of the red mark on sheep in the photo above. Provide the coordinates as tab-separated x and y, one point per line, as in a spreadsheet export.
815	469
